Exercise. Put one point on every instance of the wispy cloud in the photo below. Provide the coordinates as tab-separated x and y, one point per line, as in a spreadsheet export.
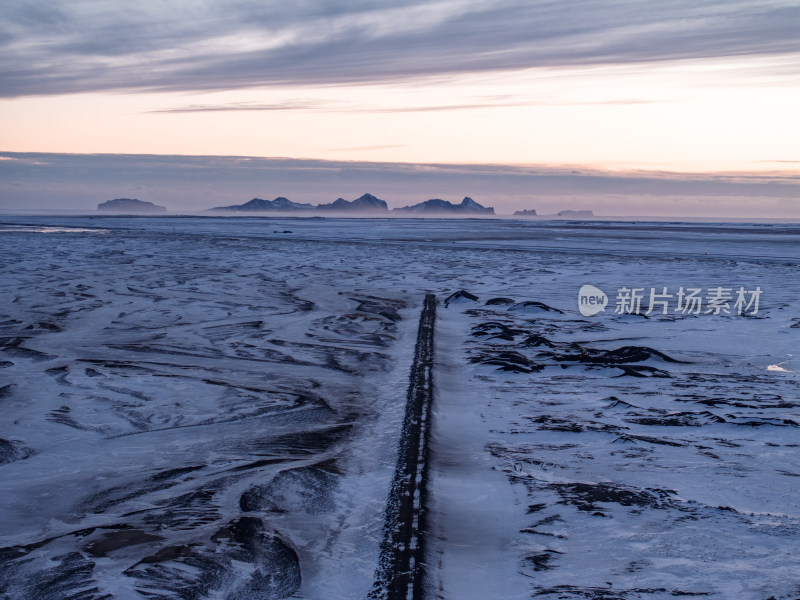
485	105
82	45
319	105
362	148
246	107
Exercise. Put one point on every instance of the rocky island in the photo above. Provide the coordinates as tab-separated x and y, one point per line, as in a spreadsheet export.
130	205
366	203
443	207
280	204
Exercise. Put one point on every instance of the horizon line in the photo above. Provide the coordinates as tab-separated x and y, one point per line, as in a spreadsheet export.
575	169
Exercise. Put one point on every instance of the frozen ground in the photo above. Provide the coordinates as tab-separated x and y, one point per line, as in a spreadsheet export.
210	408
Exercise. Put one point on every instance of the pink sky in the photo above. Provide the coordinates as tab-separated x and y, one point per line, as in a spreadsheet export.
689	87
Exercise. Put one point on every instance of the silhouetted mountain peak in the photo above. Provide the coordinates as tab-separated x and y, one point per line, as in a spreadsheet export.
258	204
130	205
437	205
366	203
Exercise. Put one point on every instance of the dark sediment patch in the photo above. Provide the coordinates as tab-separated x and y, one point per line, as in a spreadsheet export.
534	306
632	439
508	361
382	307
123	538
587	496
755	401
308	489
459	297
277	573
356	328
618	356
640	371
13	347
6	451
499	301
533	341
232	330
339	358
298	444
614	402
11	451
101	502
187	511
198	569
167	553
761	421
541	561
44	326
549	423
567	592
495	329
62	416
678	419
72	577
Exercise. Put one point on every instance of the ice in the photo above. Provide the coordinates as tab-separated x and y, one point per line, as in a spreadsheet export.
199	407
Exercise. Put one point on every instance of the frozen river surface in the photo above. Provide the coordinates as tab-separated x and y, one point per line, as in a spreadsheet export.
211	407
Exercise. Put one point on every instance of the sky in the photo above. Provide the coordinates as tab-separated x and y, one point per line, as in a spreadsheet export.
688	91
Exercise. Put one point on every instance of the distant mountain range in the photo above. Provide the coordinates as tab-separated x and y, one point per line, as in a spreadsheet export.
259	205
130	205
365	204
443	207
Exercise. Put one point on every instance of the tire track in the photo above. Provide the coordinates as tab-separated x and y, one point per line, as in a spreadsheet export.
401	566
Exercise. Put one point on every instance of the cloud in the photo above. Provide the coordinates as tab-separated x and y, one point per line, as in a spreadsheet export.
364	108
246	107
84	45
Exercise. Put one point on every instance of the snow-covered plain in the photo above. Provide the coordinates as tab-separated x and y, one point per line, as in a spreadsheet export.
210	408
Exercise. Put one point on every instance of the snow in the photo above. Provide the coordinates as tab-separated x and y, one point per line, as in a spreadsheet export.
219	403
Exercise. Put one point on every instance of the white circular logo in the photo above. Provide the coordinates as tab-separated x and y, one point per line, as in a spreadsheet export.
591	300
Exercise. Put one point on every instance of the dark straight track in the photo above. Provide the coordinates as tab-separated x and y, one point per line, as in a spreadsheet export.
401	567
